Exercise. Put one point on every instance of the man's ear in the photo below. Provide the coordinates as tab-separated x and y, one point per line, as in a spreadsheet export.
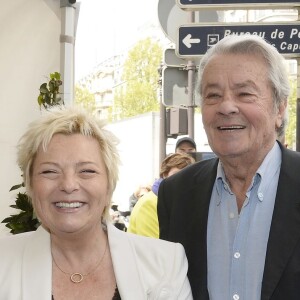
281	113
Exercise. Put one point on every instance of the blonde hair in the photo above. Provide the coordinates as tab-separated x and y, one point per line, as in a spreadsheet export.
68	121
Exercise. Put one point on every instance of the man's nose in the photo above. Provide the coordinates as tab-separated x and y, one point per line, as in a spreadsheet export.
228	105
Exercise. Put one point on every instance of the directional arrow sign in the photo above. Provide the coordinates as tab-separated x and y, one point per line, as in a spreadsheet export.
196	39
235	4
188	41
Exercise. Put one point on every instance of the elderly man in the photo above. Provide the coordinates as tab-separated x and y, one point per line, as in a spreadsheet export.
238	215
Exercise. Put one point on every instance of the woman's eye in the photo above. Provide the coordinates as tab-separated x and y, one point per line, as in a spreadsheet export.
51	174
88	171
48	172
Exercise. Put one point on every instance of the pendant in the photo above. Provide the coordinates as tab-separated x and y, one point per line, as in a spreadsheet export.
76	277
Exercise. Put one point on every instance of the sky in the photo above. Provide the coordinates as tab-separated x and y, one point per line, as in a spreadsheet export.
106	27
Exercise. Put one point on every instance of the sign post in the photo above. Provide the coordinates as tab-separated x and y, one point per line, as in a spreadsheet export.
193	40
175	80
196	39
236	4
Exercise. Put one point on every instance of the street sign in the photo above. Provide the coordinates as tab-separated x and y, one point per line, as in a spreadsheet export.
170	17
196	39
170	59
235	4
175	87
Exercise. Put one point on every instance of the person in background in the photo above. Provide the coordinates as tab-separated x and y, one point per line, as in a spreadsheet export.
143	219
69	163
137	194
185	145
238	215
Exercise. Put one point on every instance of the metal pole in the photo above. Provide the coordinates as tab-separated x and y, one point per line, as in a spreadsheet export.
298	108
298	101
67	40
162	133
191	106
191	78
162	122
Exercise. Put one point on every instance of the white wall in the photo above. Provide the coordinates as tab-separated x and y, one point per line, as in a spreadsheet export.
29	51
139	152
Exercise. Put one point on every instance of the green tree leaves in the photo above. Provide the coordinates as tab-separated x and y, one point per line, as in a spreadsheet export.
138	93
84	98
290	134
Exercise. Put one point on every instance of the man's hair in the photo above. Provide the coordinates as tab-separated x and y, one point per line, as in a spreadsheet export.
68	121
253	45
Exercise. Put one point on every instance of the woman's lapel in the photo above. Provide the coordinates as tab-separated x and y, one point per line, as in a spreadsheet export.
37	267
124	260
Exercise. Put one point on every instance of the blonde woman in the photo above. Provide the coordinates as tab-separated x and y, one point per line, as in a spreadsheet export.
70	167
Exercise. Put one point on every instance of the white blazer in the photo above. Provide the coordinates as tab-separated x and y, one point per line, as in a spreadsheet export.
145	268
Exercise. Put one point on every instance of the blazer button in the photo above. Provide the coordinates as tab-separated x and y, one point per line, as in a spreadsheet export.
164	294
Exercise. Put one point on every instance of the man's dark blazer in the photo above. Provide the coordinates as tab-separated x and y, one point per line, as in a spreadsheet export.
183	203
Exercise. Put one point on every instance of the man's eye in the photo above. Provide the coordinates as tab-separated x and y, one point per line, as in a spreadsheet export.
212	95
212	98
246	97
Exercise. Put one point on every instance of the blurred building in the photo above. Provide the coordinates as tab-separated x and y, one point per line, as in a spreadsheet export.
106	77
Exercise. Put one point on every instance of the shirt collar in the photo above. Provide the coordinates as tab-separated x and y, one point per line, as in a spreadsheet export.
264	173
269	167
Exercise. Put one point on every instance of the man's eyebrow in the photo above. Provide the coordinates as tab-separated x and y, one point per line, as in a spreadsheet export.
245	84
210	85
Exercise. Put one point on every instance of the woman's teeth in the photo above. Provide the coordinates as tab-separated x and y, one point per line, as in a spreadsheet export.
68	204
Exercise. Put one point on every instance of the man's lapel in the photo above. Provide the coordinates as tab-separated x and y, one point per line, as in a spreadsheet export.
196	247
284	231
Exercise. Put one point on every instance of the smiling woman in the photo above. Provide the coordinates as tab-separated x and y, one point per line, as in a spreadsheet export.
70	164
69	188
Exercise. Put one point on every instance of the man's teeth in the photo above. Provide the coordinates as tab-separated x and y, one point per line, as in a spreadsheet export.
68	204
230	127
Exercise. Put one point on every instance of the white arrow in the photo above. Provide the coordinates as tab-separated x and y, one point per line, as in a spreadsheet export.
188	41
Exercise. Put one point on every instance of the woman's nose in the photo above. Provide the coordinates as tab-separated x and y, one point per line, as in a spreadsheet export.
69	183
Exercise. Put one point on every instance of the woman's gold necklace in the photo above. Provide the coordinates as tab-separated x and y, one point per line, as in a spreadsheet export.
78	277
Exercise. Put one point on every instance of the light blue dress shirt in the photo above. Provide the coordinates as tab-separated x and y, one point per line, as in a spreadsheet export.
237	243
